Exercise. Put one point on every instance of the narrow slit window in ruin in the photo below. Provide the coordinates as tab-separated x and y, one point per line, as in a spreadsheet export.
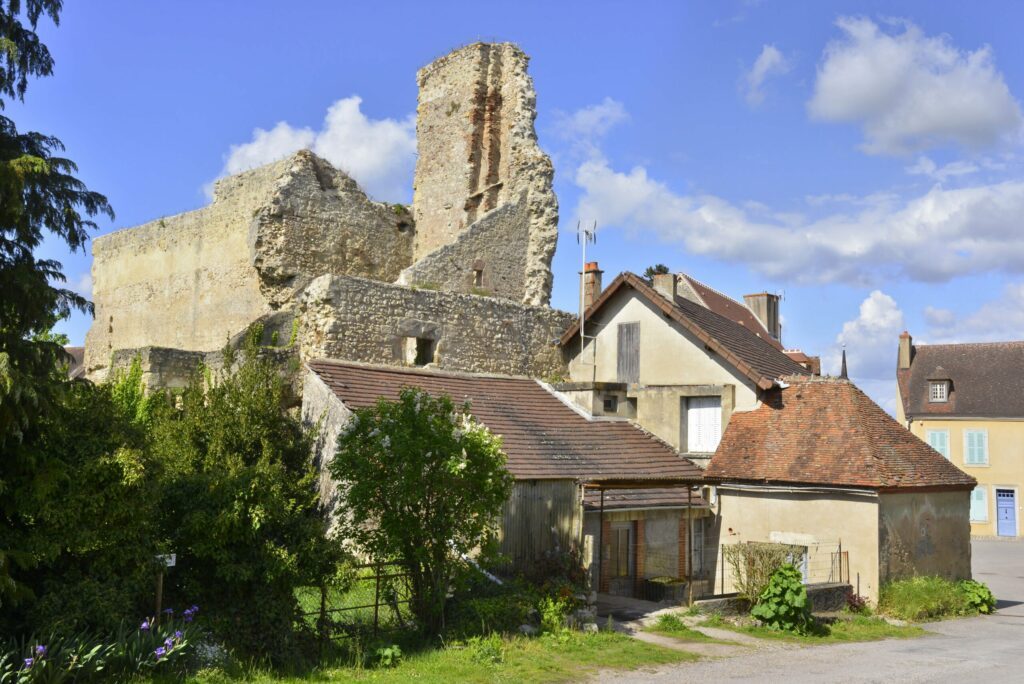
419	351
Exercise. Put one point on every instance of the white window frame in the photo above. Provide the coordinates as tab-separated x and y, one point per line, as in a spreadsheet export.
984	491
967	450
703	443
938	391
928	438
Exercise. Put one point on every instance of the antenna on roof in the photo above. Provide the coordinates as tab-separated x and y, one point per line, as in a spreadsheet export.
842	370
583	236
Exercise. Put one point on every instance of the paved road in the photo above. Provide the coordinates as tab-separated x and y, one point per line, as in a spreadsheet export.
984	649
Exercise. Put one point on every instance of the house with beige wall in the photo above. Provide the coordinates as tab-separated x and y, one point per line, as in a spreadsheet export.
678	359
820	466
967	402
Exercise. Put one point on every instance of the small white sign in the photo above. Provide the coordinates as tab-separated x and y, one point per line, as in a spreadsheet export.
168	559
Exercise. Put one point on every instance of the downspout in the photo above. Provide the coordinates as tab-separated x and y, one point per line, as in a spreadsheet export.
600	543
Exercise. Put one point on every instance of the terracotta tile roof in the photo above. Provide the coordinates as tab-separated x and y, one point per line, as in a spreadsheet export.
751	355
543	437
826	431
633	499
723	305
987	380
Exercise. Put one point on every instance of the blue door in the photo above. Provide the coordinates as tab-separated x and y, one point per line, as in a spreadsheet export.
1006	513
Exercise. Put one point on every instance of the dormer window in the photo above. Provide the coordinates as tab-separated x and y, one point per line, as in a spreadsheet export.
938	391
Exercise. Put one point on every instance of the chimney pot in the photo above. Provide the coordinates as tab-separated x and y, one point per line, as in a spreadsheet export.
765	306
906	351
590	284
665	283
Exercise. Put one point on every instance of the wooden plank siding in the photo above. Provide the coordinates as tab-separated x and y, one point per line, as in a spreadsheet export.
540	516
628	352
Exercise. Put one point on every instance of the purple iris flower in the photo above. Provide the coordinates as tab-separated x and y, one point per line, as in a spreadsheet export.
28	663
168	611
178	634
160	652
40	650
144	626
169	642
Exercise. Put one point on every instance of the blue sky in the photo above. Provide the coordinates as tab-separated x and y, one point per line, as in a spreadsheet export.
863	158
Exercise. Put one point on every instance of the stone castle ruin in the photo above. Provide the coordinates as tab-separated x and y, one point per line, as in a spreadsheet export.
462	281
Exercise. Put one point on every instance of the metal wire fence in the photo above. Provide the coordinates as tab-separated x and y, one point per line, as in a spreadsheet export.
377	600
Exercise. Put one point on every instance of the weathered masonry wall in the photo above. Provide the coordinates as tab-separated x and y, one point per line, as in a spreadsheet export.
924	533
192	280
362	320
478	151
326	415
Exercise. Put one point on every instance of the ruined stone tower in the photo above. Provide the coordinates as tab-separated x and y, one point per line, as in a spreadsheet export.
483	186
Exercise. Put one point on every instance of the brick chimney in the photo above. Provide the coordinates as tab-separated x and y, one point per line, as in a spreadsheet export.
665	283
765	306
906	354
590	284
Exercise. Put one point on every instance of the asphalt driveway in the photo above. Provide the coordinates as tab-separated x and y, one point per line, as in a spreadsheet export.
982	649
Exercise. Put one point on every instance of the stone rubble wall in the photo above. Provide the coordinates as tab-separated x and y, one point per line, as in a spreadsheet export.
478	151
356	319
193	280
494	244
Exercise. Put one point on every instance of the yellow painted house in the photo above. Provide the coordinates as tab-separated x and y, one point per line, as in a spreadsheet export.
967	402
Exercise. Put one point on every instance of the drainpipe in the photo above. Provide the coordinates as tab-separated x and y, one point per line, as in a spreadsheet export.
600	543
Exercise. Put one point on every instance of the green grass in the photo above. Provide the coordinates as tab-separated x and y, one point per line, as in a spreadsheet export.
670	625
853	628
923	598
566	657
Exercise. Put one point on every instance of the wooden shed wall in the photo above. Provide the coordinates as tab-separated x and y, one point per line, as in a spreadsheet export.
540	516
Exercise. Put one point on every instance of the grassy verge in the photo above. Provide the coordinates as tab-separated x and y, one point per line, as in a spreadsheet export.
550	658
670	625
853	628
932	598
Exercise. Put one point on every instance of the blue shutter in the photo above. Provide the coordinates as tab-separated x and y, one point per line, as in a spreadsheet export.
975	447
979	504
939	440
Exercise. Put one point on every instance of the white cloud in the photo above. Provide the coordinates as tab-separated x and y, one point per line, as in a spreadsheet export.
769	63
999	319
83	285
870	341
585	127
936	236
380	154
910	92
926	167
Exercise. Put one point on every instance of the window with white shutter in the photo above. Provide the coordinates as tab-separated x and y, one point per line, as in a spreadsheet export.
975	447
703	424
939	440
979	504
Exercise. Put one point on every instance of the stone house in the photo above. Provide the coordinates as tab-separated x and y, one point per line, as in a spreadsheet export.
819	465
558	455
967	401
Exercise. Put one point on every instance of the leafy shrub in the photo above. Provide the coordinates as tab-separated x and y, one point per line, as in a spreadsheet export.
552	614
489	650
922	598
388	656
753	565
502	613
977	596
784	604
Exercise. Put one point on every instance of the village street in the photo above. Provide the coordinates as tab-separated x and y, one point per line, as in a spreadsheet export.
981	649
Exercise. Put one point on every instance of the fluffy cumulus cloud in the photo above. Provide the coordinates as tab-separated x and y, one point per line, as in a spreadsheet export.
909	91
584	128
1001	318
933	237
870	340
380	154
769	63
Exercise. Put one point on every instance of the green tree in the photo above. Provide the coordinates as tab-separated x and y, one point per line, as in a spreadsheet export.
239	503
422	484
38	194
656	269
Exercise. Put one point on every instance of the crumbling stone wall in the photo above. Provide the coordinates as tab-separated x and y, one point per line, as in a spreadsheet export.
362	320
478	151
192	280
489	258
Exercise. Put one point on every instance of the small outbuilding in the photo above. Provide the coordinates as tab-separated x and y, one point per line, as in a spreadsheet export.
821	466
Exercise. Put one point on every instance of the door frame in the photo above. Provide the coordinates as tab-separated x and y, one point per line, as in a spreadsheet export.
1016	507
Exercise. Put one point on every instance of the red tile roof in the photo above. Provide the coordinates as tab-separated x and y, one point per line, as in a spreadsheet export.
723	305
634	499
987	380
826	431
543	437
750	354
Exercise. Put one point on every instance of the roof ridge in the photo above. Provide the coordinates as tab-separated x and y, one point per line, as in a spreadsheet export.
718	292
968	344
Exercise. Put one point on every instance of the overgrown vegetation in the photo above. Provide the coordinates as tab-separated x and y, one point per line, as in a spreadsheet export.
754	563
929	598
671	625
847	628
431	480
784	604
